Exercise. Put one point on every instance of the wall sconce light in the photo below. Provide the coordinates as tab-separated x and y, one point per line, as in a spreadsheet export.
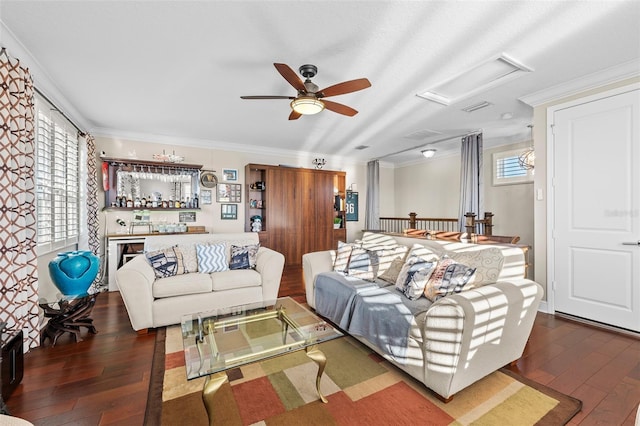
428	153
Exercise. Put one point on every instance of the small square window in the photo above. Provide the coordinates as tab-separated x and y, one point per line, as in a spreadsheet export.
507	169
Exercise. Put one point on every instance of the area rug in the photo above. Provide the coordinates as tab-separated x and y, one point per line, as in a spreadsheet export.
362	389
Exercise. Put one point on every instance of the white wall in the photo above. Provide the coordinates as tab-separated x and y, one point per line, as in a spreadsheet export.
540	180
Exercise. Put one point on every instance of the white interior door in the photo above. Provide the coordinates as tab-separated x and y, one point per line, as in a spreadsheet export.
596	209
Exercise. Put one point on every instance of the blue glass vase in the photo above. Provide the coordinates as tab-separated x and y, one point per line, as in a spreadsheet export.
74	271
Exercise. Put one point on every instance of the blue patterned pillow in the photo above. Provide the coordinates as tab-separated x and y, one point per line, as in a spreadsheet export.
166	262
212	258
244	257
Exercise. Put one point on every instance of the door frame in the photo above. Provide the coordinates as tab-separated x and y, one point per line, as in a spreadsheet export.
550	163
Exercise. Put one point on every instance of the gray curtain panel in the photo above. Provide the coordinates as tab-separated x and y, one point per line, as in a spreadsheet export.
372	215
471	178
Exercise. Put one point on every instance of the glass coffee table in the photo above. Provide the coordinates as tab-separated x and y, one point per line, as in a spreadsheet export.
217	341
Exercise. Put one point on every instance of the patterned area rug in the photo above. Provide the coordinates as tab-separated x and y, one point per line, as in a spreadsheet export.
362	389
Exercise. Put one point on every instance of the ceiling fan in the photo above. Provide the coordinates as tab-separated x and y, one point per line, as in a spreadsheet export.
310	100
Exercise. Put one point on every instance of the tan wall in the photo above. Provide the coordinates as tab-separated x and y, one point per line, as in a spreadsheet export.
432	188
540	180
215	159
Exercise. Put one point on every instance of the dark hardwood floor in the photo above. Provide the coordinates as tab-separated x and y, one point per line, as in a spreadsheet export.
104	379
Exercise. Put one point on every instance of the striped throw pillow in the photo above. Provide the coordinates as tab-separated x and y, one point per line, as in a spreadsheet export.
212	258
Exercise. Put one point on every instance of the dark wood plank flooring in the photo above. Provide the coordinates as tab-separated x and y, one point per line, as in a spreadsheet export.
104	379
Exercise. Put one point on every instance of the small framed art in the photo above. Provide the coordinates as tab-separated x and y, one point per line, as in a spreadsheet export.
229	211
230	175
205	196
229	193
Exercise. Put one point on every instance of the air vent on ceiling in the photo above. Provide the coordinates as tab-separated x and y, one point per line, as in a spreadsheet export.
422	134
476	106
361	147
497	70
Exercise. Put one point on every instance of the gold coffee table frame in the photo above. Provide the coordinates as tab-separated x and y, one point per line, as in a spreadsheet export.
230	338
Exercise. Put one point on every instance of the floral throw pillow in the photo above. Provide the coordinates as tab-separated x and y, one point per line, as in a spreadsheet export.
244	257
166	262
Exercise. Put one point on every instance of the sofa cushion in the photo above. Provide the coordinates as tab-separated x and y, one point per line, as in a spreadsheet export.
425	253
212	258
449	277
182	284
373	240
387	255
487	261
413	277
244	257
166	262
238	278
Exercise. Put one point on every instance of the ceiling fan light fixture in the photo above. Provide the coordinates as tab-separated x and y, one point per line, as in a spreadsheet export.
429	153
307	105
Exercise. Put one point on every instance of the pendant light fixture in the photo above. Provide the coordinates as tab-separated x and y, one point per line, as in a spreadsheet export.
527	159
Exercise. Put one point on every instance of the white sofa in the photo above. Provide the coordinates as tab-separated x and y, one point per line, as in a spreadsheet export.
155	302
454	341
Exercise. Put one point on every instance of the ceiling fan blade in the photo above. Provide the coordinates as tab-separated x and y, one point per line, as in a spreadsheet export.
339	108
291	76
344	87
294	115
267	97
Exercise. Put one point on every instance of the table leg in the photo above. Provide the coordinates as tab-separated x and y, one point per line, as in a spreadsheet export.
211	386
319	358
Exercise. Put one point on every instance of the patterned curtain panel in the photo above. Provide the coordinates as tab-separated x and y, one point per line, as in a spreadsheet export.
18	258
471	179
92	196
93	222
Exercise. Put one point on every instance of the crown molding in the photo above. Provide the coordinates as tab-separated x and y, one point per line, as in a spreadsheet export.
262	151
597	79
41	79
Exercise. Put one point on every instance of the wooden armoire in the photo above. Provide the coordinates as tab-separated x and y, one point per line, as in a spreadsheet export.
297	208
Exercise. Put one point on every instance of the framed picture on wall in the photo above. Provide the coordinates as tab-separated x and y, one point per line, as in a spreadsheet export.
230	175
229	211
229	193
351	206
205	196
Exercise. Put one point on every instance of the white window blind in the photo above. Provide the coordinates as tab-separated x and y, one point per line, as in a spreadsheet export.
57	180
507	169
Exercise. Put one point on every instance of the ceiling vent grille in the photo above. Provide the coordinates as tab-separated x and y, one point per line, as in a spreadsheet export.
476	106
496	71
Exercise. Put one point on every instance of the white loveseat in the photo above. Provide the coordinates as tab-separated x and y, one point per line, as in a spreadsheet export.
155	302
450	343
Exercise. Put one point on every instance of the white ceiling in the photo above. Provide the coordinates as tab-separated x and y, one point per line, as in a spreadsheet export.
175	70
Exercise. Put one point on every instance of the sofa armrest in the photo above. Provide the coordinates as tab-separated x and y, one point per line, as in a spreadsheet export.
270	265
474	333
313	264
135	281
